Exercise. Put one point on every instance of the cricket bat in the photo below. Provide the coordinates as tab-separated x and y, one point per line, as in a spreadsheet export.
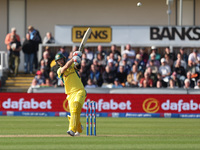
84	40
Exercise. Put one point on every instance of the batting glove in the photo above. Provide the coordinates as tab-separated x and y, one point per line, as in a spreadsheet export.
77	53
77	60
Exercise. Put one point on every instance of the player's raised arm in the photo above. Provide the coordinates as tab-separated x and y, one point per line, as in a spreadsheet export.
66	66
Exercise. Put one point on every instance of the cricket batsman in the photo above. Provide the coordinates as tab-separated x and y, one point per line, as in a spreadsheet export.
74	89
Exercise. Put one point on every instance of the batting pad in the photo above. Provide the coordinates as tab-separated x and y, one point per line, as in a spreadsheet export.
79	129
75	111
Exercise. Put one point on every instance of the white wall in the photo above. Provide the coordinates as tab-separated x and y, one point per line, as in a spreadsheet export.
18	20
3	23
45	14
187	12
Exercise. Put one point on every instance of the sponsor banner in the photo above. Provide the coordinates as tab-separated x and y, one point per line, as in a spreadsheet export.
142	115
163	104
189	115
39	102
98	35
116	115
147	103
138	35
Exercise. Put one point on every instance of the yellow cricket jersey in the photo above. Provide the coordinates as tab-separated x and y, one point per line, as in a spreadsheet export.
70	79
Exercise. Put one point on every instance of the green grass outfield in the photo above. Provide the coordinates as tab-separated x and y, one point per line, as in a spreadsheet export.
49	133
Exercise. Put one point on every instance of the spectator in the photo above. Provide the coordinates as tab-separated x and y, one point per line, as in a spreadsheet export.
136	62
130	52
198	84
146	81
151	76
172	84
189	77
87	61
35	84
89	53
184	56
154	50
115	52
193	58
159	84
95	76
45	63
176	81
154	60
159	78
169	61
141	64
144	55
51	55
193	62
8	37
169	53
14	58
127	68
145	84
47	83
180	71
111	57
52	79
179	58
133	77
29	50
101	60
90	84
95	63
100	51
75	48
117	84
70	55
63	51
108	76
198	66
101	63
45	74
35	36
127	61
112	64
187	84
48	39
8	40
121	75
84	72
153	67
40	78
165	70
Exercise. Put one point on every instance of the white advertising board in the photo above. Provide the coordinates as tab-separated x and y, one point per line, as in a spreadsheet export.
141	35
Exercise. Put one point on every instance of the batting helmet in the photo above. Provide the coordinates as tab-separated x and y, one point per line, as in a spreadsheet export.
59	56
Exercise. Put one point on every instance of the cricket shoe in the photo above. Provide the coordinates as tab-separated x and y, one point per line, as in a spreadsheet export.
77	133
71	133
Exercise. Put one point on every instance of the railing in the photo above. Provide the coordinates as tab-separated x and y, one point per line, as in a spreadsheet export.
3	61
119	90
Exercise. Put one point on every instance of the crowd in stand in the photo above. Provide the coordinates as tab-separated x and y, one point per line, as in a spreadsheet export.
113	68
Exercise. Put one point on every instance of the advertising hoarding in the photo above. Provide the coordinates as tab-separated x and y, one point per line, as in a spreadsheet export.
106	103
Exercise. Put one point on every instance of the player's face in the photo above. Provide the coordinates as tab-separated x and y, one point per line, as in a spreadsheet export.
60	62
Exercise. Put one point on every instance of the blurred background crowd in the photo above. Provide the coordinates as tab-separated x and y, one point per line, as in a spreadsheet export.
130	68
109	68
